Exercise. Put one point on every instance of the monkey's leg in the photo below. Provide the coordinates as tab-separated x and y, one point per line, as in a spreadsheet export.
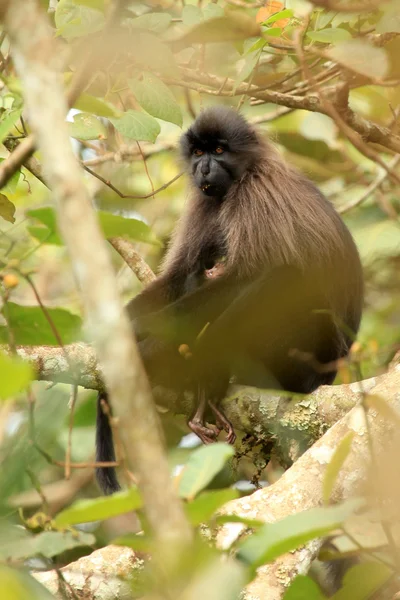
197	422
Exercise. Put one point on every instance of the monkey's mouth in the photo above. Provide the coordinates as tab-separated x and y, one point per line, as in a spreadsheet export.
205	187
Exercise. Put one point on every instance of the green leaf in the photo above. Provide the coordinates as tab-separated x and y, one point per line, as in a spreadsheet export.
335	464
249	65
117	226
207	503
191	15
361	57
284	14
87	127
75	21
274	539
390	20
157	22
329	36
11	185
273	31
219	579
47	217
137	126
94	4
111	225
48	544
98	509
91	104
229	28
303	588
15	375
20	585
156	98
139	543
7	209
250	523
361	581
203	464
30	326
7	122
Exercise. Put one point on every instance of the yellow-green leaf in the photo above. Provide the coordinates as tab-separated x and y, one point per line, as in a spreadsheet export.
15	375
335	464
98	509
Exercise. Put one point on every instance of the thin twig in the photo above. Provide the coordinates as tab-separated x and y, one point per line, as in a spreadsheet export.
371	188
121	195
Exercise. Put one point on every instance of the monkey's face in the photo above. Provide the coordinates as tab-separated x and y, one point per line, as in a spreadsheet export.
218	149
213	171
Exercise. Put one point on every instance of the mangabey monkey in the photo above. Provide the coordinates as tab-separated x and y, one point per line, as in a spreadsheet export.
262	280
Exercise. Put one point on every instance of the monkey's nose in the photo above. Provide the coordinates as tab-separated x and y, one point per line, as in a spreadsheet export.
205	167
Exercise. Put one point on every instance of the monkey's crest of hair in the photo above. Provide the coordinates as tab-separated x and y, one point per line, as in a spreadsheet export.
219	124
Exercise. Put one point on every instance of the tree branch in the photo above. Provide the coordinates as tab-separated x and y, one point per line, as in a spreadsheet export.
300	488
35	59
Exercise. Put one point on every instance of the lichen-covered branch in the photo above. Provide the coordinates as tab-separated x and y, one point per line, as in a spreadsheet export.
300	488
106	574
295	423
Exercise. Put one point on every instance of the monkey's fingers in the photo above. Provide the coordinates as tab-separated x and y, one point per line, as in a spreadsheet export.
206	434
223	423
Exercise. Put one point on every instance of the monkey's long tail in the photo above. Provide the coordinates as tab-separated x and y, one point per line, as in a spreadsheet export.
106	476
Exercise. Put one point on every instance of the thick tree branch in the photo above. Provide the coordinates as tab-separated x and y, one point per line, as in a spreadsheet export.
106	574
296	423
300	488
35	59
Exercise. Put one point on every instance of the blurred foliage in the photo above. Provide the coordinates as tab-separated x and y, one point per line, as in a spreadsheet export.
158	67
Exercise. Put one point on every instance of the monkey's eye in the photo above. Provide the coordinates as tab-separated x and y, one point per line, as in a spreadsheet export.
219	150
198	152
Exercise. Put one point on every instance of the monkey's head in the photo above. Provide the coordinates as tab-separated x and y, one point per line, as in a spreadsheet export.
218	149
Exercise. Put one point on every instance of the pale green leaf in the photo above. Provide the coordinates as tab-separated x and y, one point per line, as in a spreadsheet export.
335	464
383	408
96	106
303	588
331	35
7	122
206	504
248	65
15	375
362	57
191	15
361	581
94	4
274	539
157	22
111	225
229	28
390	20
87	127
137	126
283	14
7	209
47	543
17	584
202	466
98	509
156	98
73	20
